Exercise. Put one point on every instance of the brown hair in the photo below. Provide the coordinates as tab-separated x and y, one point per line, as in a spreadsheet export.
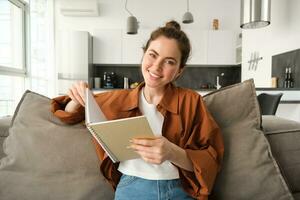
172	30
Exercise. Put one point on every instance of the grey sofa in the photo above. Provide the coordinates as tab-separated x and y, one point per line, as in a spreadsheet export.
282	134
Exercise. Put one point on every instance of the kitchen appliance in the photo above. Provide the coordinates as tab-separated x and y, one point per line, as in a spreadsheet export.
109	80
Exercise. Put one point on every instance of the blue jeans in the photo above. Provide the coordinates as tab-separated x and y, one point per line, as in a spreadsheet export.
135	188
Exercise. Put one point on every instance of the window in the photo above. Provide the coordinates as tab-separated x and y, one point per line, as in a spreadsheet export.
22	67
12	36
12	54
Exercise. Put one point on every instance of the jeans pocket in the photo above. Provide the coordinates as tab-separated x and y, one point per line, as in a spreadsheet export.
126	180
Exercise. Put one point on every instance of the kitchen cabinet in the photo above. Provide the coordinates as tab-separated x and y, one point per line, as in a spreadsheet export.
132	46
198	41
221	47
114	46
73	58
107	46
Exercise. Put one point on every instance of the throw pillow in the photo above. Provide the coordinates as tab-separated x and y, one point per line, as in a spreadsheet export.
249	170
284	138
47	159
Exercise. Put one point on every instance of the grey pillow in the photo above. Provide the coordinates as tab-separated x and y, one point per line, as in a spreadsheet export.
47	159
284	138
249	170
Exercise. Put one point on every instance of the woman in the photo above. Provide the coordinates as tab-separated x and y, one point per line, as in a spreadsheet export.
183	160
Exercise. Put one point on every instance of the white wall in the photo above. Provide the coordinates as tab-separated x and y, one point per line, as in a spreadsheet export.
154	13
282	35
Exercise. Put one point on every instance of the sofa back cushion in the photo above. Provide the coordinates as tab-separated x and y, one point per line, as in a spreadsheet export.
284	138
249	170
46	159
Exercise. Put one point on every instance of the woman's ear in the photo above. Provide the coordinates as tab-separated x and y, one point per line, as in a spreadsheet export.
180	71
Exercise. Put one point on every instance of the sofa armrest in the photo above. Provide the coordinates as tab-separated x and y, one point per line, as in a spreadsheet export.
284	138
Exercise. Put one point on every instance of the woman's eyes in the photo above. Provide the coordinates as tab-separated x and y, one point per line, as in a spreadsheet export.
152	55
167	61
170	62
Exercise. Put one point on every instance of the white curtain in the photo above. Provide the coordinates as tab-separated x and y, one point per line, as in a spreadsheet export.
41	77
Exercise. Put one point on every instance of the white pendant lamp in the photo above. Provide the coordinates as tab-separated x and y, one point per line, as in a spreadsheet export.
255	13
132	23
187	17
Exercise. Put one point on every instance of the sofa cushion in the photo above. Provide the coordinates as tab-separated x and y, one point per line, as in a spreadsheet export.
249	170
284	138
4	125
47	159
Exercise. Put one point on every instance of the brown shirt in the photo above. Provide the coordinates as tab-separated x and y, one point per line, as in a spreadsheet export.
187	123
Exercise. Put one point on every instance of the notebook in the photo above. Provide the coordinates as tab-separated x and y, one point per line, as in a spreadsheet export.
114	135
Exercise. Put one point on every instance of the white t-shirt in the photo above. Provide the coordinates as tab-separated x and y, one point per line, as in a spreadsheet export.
140	168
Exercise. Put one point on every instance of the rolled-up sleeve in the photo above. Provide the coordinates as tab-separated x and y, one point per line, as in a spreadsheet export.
58	105
205	149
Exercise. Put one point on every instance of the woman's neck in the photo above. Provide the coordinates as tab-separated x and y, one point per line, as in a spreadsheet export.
153	95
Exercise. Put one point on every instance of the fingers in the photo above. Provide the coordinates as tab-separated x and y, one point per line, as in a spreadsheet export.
147	154
150	150
77	92
146	141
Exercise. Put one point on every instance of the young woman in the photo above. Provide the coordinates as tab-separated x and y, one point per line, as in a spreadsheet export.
183	160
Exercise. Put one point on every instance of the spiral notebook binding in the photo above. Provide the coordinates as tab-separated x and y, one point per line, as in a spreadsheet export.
106	149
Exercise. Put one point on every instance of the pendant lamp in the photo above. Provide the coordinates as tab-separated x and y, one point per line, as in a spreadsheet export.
132	23
187	17
255	13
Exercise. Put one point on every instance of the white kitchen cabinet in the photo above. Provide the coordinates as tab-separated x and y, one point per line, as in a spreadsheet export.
114	46
132	46
107	46
221	47
198	41
73	59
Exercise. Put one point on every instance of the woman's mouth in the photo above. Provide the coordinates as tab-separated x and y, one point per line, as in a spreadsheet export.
154	75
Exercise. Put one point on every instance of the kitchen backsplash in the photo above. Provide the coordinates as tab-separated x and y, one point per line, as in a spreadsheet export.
194	77
280	62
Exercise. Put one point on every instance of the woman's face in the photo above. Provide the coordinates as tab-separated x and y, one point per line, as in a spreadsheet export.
161	62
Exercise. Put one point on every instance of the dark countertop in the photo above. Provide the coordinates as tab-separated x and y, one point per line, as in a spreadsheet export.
277	89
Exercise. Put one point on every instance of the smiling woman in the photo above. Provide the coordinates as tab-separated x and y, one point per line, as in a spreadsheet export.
183	159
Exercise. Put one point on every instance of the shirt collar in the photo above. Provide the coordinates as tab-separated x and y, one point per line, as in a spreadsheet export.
169	101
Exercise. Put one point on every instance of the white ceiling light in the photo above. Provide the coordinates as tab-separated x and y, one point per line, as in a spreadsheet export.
255	13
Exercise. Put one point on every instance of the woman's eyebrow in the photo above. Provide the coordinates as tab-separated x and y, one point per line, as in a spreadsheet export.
152	50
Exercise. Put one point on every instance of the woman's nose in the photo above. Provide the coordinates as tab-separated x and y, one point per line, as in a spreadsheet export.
157	64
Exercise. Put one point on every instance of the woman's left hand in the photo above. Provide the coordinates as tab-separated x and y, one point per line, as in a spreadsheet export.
154	151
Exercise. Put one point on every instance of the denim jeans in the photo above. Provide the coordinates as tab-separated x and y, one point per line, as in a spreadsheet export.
135	188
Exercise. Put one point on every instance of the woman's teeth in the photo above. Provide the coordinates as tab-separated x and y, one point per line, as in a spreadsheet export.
154	75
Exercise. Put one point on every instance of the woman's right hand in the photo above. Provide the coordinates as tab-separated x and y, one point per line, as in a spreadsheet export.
77	93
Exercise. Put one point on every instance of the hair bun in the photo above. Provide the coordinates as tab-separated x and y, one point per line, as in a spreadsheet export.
173	24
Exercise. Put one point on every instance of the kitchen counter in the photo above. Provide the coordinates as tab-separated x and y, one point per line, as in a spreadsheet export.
290	95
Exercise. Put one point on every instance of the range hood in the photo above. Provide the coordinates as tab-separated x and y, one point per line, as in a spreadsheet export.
255	13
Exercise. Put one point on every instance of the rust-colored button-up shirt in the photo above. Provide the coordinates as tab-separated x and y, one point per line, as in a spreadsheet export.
187	123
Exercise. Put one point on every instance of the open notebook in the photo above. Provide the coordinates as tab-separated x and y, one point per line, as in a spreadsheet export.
114	135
